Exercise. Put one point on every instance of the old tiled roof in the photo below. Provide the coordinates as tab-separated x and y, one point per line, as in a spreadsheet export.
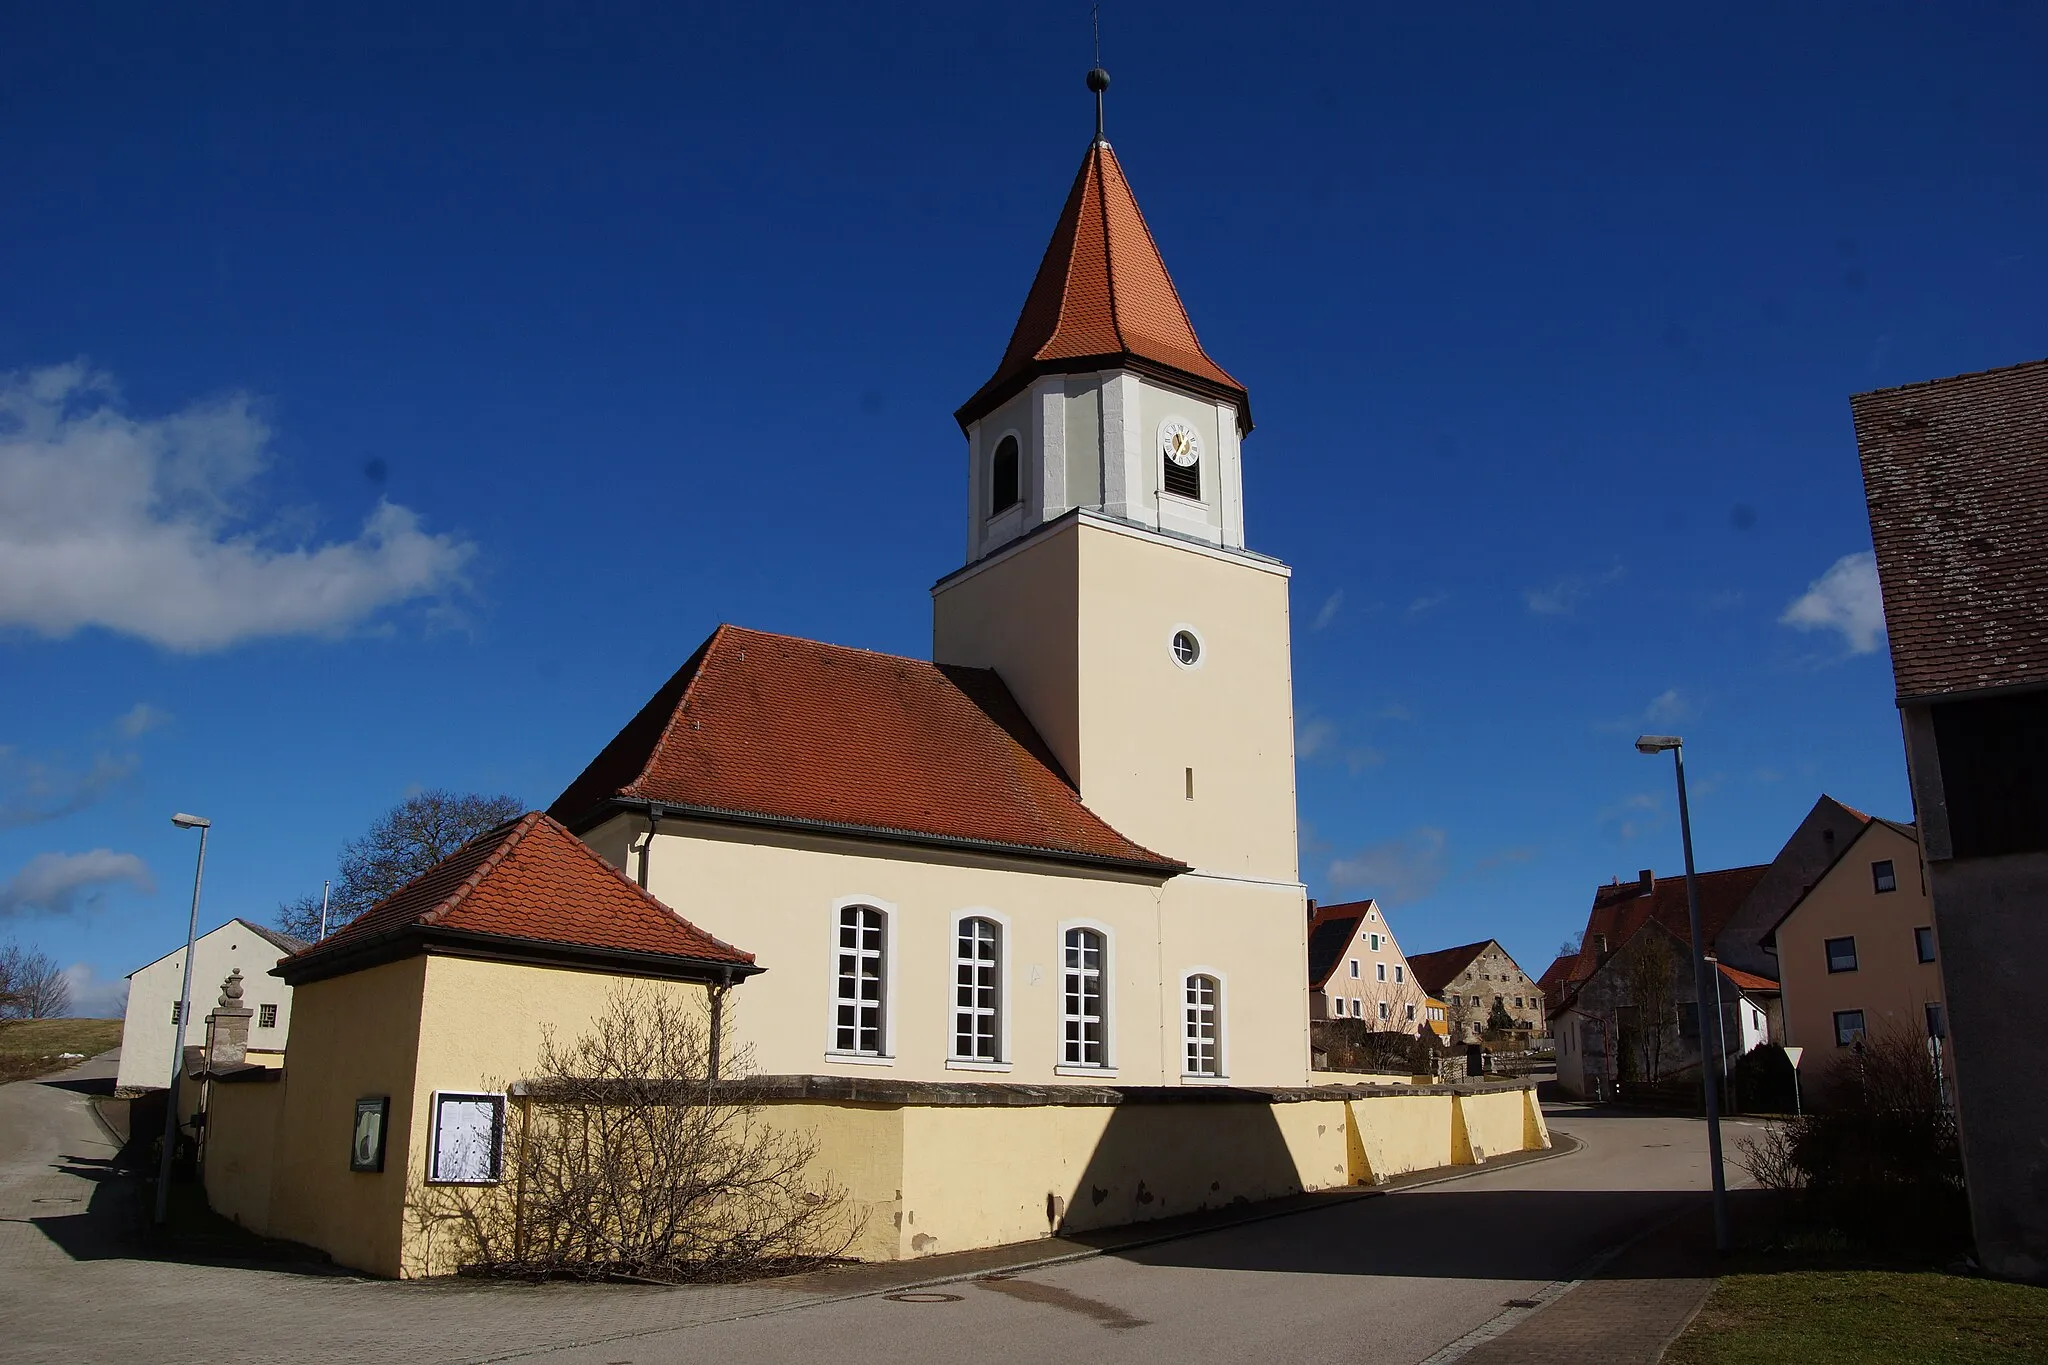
1331	931
762	728
1434	971
1956	475
1103	298
1748	981
529	881
1556	976
1621	909
284	943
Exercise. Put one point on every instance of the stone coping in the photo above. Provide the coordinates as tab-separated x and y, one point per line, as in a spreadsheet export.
968	1094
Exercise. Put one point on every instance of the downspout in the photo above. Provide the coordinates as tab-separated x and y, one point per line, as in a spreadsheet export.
647	849
718	1021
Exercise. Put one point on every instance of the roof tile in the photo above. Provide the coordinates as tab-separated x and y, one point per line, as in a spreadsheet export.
779	728
1956	475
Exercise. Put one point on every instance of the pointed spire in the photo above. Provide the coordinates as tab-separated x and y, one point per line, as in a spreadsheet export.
1103	299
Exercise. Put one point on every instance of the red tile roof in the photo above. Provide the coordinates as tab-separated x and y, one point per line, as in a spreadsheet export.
1621	909
1557	976
1956	475
1748	981
1103	298
530	881
772	729
1434	971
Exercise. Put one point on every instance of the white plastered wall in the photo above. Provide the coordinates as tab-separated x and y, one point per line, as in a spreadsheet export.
147	1033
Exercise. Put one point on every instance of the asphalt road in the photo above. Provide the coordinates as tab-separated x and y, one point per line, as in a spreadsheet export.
1396	1279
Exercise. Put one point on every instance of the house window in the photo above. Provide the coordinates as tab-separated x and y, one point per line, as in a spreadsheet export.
1204	1026
1354	969
1381	969
1688	1020
857	1014
1937	1020
1375	942
1883	877
977	955
1384	1013
1848	1027
1400	974
1187	650
1841	954
1083	1001
1923	943
1411	1014
266	1016
1357	1008
468	1138
1002	477
177	1011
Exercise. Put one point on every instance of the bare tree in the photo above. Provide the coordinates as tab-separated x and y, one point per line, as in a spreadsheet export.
623	1157
32	986
1646	983
404	842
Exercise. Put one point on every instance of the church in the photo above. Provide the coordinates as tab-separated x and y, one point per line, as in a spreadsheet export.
1064	848
1015	937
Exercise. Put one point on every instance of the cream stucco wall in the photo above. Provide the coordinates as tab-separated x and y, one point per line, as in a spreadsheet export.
778	895
1890	985
1381	976
147	1033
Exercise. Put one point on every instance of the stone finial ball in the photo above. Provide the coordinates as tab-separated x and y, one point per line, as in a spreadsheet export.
1098	80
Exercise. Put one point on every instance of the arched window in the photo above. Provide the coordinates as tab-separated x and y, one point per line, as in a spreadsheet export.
1204	1026
1084	1000
857	1000
1004	485
977	1001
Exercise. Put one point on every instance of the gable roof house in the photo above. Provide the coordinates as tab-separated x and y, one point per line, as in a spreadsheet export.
149	1025
1468	979
1356	970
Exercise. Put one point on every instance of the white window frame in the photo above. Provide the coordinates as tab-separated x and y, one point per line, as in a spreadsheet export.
954	1060
1379	971
497	1101
1222	1073
890	952
1400	974
1061	1066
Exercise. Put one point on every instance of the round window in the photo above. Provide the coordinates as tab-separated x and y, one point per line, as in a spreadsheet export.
1186	648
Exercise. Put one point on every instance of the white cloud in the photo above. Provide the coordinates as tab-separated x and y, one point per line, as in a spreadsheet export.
1328	611
1667	706
1312	737
1845	598
1398	870
145	526
1562	597
32	791
142	718
58	883
1428	603
92	995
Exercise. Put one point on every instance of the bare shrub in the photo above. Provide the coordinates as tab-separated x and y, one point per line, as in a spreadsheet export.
1353	1046
624	1157
1878	1159
32	986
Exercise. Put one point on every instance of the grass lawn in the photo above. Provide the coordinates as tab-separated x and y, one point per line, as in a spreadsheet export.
30	1047
1867	1317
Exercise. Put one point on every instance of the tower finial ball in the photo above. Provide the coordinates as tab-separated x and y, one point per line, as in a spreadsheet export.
1098	80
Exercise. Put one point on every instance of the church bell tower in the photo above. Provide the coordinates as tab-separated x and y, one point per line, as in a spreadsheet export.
1107	578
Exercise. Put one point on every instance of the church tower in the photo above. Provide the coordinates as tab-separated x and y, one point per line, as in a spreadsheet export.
1107	578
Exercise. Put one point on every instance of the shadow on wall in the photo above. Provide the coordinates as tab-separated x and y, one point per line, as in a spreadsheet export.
1157	1160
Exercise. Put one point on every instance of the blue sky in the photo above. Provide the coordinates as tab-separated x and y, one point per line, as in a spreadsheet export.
394	399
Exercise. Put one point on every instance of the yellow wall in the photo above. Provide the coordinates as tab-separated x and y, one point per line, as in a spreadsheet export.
778	895
243	1123
352	1037
1890	985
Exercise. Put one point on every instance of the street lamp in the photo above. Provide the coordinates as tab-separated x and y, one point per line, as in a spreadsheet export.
163	1174
1657	744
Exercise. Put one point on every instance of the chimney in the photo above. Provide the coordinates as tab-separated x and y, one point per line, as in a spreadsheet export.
227	1028
1647	880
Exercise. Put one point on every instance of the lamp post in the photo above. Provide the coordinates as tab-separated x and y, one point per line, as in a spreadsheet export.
1657	744
1720	1019
163	1174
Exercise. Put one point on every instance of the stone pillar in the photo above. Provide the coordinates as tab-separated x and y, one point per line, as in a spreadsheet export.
227	1028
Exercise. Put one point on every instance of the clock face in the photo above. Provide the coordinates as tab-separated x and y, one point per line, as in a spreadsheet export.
1179	443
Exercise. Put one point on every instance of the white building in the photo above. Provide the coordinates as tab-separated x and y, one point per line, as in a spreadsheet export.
153	997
